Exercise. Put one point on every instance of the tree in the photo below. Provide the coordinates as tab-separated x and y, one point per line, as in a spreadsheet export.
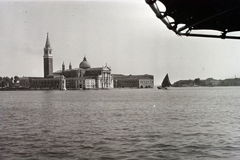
197	81
1	82
16	78
6	82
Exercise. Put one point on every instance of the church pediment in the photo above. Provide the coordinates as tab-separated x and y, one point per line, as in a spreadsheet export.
106	68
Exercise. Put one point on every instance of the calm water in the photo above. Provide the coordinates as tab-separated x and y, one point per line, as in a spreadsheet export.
180	123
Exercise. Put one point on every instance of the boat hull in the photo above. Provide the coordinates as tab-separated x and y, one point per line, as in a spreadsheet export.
162	87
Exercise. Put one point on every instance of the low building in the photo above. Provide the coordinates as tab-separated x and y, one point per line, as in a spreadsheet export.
49	83
208	82
27	82
212	82
231	82
183	83
133	81
24	82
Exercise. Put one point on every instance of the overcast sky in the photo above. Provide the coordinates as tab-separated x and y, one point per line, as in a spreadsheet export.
124	34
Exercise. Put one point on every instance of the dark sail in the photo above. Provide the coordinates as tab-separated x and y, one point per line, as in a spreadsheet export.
166	82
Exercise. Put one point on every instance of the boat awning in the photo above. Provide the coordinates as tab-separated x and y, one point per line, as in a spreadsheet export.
185	16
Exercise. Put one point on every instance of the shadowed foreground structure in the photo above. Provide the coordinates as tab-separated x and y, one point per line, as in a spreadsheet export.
185	16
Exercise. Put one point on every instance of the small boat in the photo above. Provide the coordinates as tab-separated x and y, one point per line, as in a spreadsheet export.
165	83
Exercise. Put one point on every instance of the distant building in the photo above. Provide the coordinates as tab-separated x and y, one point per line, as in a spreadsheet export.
231	82
208	82
27	81
133	81
212	82
183	83
87	77
49	83
83	77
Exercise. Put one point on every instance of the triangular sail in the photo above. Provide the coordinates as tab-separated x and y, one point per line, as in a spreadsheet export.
166	82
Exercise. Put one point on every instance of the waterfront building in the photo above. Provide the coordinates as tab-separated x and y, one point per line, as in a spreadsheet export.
49	83
86	77
184	83
231	82
208	82
24	82
212	82
83	77
133	81
27	82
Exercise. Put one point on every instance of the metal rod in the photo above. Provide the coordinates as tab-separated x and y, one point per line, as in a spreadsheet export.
208	36
159	15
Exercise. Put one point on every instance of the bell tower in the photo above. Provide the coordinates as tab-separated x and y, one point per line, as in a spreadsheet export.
48	59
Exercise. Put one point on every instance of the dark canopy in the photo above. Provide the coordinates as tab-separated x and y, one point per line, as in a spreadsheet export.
220	15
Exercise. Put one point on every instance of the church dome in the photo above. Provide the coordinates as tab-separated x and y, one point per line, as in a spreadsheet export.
84	64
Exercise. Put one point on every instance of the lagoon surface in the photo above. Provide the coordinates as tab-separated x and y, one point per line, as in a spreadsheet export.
179	123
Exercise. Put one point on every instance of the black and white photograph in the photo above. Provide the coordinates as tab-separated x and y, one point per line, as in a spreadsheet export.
120	80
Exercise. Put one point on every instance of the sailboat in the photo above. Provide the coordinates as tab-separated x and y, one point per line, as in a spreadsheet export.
165	83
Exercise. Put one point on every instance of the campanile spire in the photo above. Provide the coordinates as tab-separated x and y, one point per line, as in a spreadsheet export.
47	45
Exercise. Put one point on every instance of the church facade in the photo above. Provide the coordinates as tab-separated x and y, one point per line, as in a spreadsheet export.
85	77
82	77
